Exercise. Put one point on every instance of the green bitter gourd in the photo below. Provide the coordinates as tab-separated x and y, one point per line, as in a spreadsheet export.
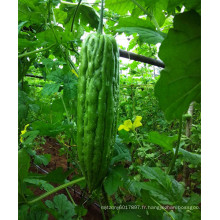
97	105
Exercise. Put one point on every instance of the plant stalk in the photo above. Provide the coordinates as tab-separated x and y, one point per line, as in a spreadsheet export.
35	51
103	213
100	28
74	16
71	198
55	190
109	211
172	163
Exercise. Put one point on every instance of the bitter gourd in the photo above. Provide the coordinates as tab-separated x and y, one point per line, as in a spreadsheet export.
97	105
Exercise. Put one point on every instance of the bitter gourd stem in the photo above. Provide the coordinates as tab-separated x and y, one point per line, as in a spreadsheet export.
101	19
55	190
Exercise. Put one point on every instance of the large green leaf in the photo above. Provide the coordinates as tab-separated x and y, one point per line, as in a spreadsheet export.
48	129
121	152
162	186
63	206
162	140
120	6
134	22
50	89
57	176
86	14
146	35
23	164
42	159
40	183
34	11
114	179
180	81
29	137
190	157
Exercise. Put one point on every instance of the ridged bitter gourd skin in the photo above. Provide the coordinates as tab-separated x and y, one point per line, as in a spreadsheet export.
97	105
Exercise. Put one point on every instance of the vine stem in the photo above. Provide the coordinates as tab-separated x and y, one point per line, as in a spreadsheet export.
101	19
74	16
172	163
55	190
110	214
103	213
35	51
71	198
64	105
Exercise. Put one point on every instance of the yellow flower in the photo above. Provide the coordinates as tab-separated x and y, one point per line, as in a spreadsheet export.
127	126
23	132
137	122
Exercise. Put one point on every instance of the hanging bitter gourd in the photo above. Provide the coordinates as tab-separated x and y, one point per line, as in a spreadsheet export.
97	105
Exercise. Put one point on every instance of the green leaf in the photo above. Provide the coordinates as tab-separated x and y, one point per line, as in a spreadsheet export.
162	140
34	11
158	8
57	176
37	213
56	75
155	173
47	129
81	211
134	22
23	106
134	187
60	15
40	183
121	152
194	199
190	157
86	14
180	81
50	89
42	159
24	43
158	192
113	180
23	212
23	164
64	207
193	4
20	25
29	137
120	6
47	36
49	63
153	213
172	4
163	187
146	35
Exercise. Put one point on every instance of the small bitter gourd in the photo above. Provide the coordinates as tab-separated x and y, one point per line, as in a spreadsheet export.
97	105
